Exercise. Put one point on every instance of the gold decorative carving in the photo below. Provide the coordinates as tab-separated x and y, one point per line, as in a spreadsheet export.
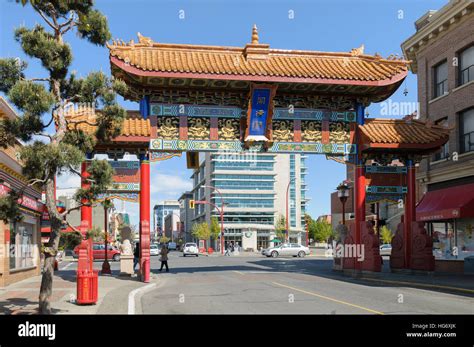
311	131
198	128
168	128
283	130
339	132
229	129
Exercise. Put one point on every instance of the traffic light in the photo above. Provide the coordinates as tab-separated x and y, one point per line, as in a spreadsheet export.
191	204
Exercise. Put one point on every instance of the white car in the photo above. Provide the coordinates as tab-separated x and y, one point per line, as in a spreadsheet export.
190	248
287	249
154	249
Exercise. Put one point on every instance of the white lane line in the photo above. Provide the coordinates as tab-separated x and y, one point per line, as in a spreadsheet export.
133	293
66	266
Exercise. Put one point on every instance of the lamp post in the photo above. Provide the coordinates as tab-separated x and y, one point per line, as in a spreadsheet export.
287	201
343	195
106	265
221	214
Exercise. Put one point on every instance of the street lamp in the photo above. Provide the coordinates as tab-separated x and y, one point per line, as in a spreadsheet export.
343	194
221	214
287	201
106	264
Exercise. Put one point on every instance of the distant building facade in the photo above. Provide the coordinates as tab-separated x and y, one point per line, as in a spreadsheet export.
254	190
186	215
160	211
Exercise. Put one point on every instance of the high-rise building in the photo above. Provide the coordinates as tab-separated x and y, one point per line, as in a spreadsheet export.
160	211
254	191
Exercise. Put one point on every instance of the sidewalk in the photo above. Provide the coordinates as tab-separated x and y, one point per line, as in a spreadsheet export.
22	297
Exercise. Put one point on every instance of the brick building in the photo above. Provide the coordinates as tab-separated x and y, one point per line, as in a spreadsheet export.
442	55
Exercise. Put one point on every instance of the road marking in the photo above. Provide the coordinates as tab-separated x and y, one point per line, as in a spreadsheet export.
328	298
418	284
133	293
66	266
239	272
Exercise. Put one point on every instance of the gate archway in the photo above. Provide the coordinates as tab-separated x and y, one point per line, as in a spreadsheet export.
209	98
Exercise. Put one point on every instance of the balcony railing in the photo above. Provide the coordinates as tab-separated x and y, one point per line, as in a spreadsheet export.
468	142
466	75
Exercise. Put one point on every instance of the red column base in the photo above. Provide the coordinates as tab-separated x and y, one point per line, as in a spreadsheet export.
397	257
422	248
371	248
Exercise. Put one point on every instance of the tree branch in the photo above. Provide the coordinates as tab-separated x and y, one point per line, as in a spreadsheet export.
55	28
74	170
34	181
40	79
72	227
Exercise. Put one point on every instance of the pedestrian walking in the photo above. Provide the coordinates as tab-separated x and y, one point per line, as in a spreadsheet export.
164	258
227	249
136	255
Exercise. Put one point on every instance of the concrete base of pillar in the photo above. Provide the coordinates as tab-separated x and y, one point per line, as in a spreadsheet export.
126	265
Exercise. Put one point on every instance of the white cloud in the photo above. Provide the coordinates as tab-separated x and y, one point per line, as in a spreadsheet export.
165	185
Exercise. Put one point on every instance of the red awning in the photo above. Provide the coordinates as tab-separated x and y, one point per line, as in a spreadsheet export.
448	203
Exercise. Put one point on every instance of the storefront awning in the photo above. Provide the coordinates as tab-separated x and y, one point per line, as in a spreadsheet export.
448	203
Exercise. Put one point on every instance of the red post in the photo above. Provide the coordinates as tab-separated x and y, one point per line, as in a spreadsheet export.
410	211
86	211
145	218
359	193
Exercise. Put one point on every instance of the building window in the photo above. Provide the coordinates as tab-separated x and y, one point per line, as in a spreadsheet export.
466	130
445	149
441	79
466	65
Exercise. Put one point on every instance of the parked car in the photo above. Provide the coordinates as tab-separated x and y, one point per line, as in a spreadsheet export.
98	252
172	246
386	249
287	249
190	248
154	249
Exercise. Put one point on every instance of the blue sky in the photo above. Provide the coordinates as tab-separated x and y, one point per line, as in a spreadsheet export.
329	25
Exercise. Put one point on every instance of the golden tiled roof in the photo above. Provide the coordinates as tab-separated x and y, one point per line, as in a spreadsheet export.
399	131
255	60
85	118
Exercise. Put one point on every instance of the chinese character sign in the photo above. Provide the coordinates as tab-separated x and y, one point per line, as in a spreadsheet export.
260	112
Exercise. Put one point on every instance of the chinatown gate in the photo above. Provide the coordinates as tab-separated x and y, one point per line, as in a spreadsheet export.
197	98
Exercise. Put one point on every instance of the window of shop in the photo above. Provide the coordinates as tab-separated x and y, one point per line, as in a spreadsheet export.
22	245
262	241
466	130
465	239
443	240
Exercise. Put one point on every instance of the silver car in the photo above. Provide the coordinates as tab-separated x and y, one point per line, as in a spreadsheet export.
385	249
286	250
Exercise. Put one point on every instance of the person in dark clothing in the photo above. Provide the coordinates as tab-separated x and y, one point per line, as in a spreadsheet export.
164	258
136	255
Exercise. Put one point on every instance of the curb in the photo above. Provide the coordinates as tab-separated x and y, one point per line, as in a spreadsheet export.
418	284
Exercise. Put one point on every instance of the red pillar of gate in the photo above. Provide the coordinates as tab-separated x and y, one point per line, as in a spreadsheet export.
410	212
359	194
86	211
145	218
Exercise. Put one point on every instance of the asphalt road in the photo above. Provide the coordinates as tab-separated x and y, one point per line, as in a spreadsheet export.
260	285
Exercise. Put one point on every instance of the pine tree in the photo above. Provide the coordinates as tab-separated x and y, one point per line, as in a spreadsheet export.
42	101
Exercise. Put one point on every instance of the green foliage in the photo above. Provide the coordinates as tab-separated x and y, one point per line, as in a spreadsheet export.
93	26
215	228
55	56
43	160
95	234
201	231
9	208
320	231
59	7
84	142
70	240
280	228
31	97
109	122
386	234
164	239
100	180
11	71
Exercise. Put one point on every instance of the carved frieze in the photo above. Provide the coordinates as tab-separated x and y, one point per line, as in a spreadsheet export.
311	131
339	132
167	128
198	128
283	130
229	129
